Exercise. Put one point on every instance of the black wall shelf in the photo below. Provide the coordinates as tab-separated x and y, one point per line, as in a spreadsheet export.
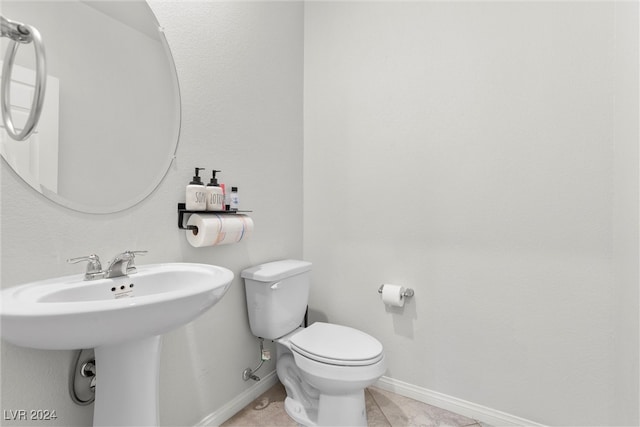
182	210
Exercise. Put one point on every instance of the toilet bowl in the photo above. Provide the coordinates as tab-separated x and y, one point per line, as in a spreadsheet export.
323	367
338	363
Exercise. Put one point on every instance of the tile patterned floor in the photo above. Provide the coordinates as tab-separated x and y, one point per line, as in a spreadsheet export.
384	409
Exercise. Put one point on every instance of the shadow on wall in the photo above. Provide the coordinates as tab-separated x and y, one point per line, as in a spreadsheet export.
403	317
317	316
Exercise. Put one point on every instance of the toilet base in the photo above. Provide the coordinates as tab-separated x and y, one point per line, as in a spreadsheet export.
342	410
300	414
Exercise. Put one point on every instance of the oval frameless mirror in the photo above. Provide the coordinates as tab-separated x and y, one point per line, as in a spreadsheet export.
109	127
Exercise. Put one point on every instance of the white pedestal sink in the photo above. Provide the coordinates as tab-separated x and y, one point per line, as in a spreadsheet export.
123	318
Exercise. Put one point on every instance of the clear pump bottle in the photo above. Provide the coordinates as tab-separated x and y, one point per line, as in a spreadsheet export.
235	199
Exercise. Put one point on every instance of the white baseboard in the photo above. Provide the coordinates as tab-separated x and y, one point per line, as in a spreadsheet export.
453	404
234	406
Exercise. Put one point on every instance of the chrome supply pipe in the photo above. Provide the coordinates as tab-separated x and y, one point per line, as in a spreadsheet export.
22	33
250	374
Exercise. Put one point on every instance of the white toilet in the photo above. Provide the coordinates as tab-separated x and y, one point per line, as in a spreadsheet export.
324	368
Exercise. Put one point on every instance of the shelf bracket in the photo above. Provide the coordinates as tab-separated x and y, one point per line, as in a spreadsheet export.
182	209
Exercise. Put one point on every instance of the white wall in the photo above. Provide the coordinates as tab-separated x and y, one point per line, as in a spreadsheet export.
240	70
625	208
466	150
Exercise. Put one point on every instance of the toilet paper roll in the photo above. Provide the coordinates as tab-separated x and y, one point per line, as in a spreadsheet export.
217	229
393	295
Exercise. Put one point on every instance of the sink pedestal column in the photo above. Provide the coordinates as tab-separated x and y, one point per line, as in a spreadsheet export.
127	377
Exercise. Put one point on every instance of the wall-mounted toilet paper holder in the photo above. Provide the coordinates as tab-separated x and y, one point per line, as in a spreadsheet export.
406	294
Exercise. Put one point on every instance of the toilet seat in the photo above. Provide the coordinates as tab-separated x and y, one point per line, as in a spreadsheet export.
336	345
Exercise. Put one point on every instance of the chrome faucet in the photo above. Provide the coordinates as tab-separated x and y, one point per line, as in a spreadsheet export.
121	265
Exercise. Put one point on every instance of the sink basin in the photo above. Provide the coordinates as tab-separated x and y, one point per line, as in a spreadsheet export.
72	313
123	318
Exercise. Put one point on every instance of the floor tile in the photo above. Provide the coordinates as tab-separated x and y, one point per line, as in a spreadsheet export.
384	409
403	411
375	417
266	410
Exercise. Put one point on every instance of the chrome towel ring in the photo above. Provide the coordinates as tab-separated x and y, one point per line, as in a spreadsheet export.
22	33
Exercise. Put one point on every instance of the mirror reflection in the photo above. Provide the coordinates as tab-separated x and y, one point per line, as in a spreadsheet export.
111	117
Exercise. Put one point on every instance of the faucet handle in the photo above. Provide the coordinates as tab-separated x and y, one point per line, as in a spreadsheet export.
131	266
93	260
94	268
137	252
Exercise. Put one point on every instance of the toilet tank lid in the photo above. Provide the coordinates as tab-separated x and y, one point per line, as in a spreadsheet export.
277	270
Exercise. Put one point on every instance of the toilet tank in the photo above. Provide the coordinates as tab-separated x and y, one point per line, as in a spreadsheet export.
277	296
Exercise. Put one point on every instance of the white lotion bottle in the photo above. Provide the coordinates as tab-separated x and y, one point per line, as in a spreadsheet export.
215	194
195	197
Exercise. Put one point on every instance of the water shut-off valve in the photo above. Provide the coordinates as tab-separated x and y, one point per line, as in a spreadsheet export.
265	355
